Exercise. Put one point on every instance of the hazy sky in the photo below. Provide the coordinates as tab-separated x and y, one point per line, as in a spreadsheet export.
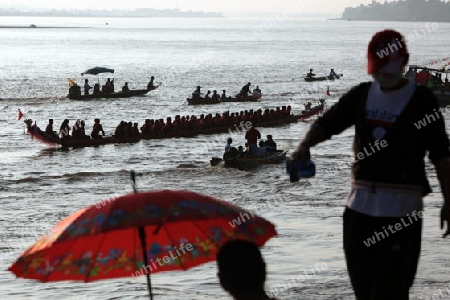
225	6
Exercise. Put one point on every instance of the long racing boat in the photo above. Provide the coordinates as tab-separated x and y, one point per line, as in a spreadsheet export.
314	111
37	134
203	101
130	93
75	92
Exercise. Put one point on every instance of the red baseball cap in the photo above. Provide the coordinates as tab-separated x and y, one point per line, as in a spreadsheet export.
387	52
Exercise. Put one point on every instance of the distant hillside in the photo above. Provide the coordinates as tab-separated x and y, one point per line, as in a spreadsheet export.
137	13
408	10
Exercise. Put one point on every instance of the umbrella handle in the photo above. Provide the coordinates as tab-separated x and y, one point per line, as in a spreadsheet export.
144	255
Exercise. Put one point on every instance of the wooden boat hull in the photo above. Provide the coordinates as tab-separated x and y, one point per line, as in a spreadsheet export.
203	101
251	162
131	93
244	99
79	143
323	78
316	110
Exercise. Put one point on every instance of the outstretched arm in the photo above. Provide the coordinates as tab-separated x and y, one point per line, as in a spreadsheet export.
443	173
335	120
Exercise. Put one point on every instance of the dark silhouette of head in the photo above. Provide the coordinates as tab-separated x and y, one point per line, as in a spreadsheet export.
229	140
242	270
394	59
50	121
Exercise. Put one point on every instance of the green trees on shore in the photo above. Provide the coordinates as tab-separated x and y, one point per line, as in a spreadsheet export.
407	10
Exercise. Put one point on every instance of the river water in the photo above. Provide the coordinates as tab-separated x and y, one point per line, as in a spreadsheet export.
41	185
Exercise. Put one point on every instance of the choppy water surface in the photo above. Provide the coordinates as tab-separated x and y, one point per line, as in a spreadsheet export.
40	186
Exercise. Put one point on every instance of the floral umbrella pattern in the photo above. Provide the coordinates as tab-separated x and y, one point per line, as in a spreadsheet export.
183	229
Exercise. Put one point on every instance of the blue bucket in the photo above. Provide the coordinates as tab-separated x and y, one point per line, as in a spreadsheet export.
301	170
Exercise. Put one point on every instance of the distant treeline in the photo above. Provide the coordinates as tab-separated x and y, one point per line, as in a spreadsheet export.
137	13
408	10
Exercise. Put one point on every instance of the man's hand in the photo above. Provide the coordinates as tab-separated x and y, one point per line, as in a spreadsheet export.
445	219
301	153
443	173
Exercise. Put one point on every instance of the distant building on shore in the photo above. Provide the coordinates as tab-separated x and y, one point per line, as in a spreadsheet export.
407	10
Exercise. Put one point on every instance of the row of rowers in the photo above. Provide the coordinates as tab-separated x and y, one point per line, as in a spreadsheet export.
189	123
180	123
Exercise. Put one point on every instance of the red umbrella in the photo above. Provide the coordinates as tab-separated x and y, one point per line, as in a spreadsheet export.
178	230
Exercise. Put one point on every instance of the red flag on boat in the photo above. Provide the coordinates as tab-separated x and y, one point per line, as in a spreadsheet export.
328	91
20	115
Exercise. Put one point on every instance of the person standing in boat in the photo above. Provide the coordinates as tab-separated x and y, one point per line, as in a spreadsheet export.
224	96
245	90
252	135
310	74
228	145
333	74
49	128
96	129
389	179
151	86
87	87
